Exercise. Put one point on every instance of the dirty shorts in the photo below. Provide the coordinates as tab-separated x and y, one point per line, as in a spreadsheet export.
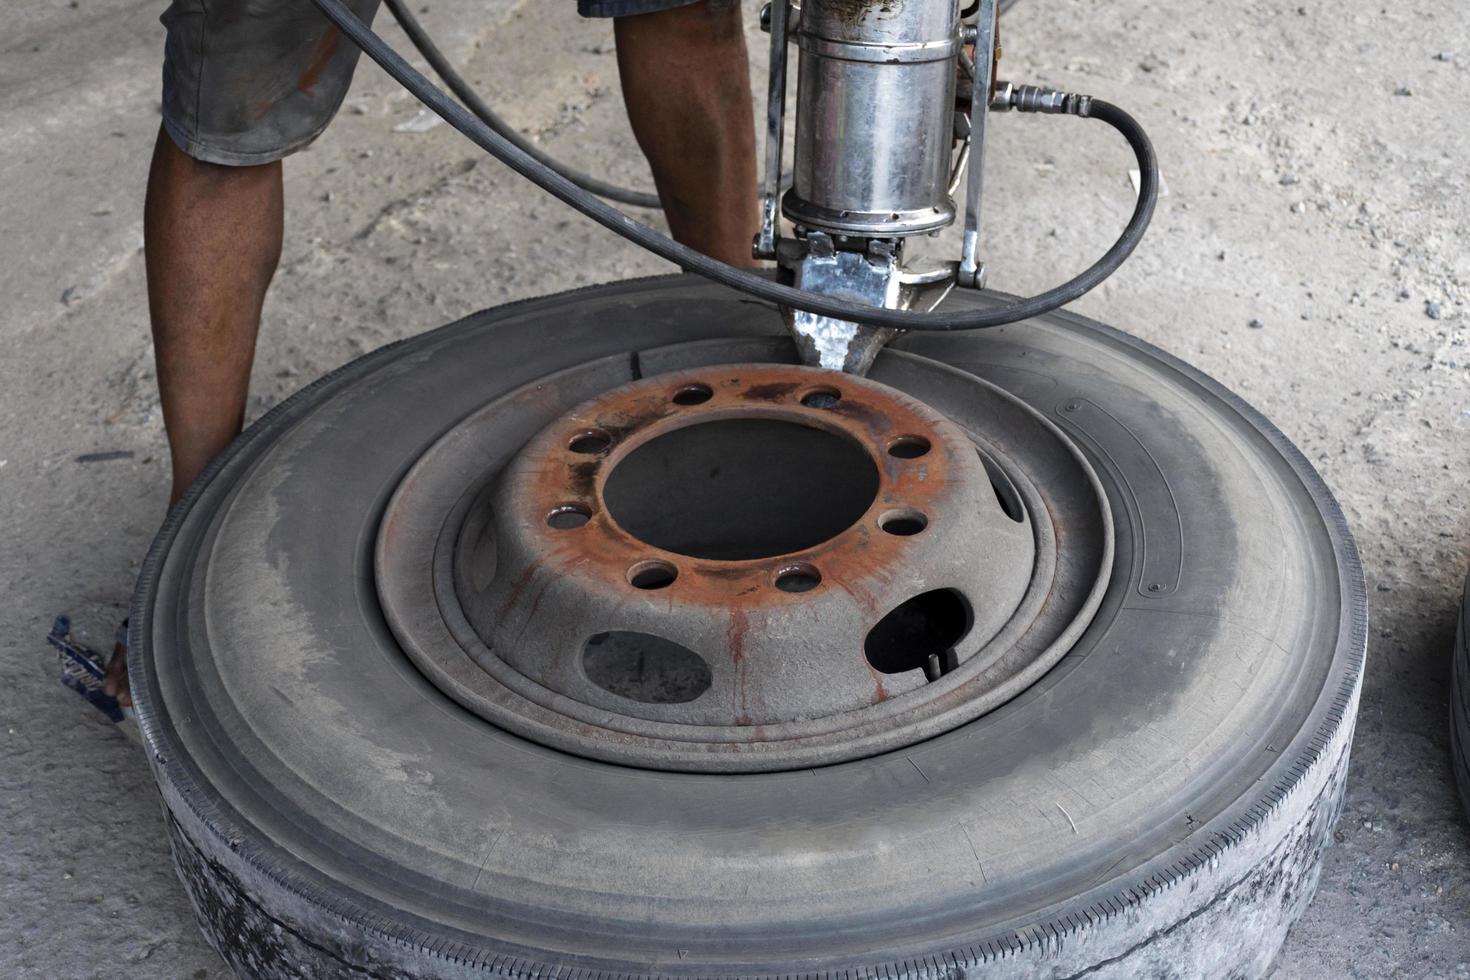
251	81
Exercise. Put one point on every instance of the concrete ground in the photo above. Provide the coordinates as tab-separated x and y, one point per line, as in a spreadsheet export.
1310	253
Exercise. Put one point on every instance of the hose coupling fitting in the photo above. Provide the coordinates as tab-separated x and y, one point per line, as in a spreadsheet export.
1037	98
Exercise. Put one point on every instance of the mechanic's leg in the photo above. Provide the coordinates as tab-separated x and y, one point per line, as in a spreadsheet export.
686	83
212	237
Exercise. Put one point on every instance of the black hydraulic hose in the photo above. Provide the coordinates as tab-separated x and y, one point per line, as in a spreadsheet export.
426	47
750	283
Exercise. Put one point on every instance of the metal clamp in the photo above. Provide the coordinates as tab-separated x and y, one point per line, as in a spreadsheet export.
971	272
775	15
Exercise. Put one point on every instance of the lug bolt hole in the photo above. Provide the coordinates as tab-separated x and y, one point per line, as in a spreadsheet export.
904	523
798	578
590	442
695	394
823	397
652	574
566	517
908	447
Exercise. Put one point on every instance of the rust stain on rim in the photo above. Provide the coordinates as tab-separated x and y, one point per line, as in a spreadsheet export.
571	470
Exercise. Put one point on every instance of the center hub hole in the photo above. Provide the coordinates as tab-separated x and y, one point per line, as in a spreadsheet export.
737	489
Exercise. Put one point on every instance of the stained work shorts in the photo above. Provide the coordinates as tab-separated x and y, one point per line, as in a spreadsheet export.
251	81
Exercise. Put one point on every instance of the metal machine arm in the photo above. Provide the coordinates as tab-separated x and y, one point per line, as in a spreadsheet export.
875	161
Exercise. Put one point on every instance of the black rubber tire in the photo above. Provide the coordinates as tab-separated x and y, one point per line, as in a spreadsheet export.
1155	806
1460	699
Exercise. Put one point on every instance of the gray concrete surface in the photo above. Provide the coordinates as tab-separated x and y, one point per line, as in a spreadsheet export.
1311	253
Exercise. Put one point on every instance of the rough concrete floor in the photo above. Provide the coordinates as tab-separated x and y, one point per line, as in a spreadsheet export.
1311	254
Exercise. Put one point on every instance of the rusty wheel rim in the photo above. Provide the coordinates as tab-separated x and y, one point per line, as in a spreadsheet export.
528	583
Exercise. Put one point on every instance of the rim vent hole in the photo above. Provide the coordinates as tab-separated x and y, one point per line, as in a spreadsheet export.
644	667
920	634
1005	491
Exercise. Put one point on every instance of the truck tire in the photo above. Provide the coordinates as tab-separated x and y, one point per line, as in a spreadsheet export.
1155	805
1460	699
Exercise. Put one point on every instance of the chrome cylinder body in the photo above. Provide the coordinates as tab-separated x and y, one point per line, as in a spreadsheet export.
874	116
